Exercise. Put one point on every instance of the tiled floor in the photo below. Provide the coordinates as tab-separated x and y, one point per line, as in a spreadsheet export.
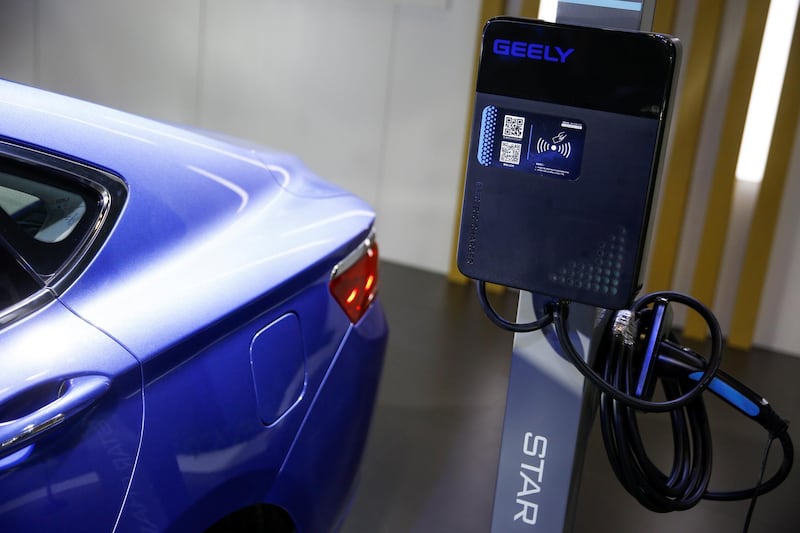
430	464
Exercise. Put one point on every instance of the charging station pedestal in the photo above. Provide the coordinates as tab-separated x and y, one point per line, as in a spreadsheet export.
549	411
549	408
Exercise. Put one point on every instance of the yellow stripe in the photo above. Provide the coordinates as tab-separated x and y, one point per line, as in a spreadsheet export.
718	210
688	122
765	217
664	17
489	9
530	9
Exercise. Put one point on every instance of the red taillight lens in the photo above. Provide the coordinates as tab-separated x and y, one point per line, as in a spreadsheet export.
354	282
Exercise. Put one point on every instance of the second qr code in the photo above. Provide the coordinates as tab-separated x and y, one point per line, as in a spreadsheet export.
510	152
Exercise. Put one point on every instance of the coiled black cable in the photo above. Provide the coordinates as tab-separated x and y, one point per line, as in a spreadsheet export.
688	479
560	314
683	377
499	321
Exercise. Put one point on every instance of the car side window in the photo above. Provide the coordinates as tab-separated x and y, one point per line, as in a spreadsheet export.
54	213
16	284
46	213
44	216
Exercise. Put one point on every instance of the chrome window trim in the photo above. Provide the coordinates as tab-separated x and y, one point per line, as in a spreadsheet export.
25	307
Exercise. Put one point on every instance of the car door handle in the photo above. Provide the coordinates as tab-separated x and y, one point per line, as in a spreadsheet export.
75	395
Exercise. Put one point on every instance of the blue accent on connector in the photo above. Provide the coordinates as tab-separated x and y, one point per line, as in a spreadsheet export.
650	354
731	395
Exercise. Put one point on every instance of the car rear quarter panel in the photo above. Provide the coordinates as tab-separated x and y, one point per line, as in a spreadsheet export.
214	243
319	475
206	451
208	226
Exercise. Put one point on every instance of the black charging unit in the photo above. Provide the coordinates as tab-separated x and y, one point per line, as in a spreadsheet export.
564	158
563	165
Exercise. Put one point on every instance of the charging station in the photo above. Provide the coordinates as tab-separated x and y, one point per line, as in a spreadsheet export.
566	148
567	132
561	172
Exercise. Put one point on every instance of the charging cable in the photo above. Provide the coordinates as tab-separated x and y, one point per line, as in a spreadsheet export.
637	356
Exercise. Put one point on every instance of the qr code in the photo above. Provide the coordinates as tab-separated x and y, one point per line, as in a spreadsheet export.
513	126
509	152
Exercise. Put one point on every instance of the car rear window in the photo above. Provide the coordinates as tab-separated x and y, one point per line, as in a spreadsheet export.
54	213
45	216
16	283
45	213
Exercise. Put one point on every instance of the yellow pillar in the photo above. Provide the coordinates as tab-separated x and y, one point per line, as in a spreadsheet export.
664	17
765	216
699	63
718	209
529	9
489	9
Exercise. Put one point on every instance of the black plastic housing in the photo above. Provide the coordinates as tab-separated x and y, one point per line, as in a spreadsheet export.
566	145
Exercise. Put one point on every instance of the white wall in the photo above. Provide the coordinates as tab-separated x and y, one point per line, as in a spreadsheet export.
18	40
372	95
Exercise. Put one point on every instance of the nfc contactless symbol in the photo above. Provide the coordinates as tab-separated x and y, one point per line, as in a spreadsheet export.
556	144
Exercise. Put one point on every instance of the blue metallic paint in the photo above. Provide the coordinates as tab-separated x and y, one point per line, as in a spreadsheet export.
79	471
216	242
279	370
320	471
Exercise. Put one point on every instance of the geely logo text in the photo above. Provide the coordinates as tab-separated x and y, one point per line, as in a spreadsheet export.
537	51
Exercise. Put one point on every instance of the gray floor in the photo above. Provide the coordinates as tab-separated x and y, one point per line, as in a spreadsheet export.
431	459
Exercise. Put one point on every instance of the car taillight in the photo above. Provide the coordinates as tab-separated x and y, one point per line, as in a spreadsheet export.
354	281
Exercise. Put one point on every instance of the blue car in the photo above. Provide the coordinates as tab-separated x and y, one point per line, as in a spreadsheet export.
190	337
